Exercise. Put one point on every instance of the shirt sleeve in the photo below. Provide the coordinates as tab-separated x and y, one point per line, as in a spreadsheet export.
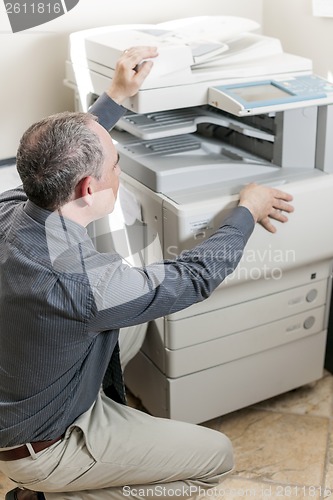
15	195
126	295
107	111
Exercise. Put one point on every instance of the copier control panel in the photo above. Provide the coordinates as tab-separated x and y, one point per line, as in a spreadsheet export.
252	98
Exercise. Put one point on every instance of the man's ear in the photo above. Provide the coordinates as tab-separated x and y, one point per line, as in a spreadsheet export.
84	191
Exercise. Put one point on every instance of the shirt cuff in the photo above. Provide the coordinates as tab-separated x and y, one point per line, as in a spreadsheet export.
242	219
107	111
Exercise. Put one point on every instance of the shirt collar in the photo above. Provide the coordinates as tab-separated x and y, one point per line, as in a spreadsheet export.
48	218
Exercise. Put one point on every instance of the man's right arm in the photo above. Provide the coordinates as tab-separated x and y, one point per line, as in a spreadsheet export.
168	286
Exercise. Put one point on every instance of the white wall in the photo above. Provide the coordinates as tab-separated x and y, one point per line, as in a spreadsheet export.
32	62
300	32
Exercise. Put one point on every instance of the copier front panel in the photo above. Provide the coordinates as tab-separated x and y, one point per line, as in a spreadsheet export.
262	332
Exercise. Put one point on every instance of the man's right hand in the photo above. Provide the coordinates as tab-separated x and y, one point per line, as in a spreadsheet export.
132	68
266	203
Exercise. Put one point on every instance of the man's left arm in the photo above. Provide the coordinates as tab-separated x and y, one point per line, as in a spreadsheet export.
107	111
131	70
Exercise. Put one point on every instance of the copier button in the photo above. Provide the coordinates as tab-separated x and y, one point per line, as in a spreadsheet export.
311	295
309	322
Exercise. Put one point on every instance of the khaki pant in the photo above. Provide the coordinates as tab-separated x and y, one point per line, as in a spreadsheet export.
116	452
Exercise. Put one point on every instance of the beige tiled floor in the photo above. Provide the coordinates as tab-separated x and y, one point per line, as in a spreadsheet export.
283	446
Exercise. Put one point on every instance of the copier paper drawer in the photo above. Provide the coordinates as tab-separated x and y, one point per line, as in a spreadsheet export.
225	321
206	394
232	347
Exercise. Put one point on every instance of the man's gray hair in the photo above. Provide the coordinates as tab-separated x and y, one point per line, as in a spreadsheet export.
55	154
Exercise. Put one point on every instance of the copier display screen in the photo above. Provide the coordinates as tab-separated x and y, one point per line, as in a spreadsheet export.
264	92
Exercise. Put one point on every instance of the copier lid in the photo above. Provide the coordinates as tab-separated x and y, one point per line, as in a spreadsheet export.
182	43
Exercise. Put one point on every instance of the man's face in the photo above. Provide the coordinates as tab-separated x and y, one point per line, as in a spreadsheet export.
106	188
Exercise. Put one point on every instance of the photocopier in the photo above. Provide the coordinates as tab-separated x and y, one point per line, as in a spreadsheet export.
222	107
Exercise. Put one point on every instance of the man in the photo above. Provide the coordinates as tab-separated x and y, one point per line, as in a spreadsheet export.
62	304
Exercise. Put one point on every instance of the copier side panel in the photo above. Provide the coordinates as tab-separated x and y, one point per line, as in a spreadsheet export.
152	218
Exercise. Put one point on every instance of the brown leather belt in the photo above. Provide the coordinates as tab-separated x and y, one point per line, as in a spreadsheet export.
23	452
